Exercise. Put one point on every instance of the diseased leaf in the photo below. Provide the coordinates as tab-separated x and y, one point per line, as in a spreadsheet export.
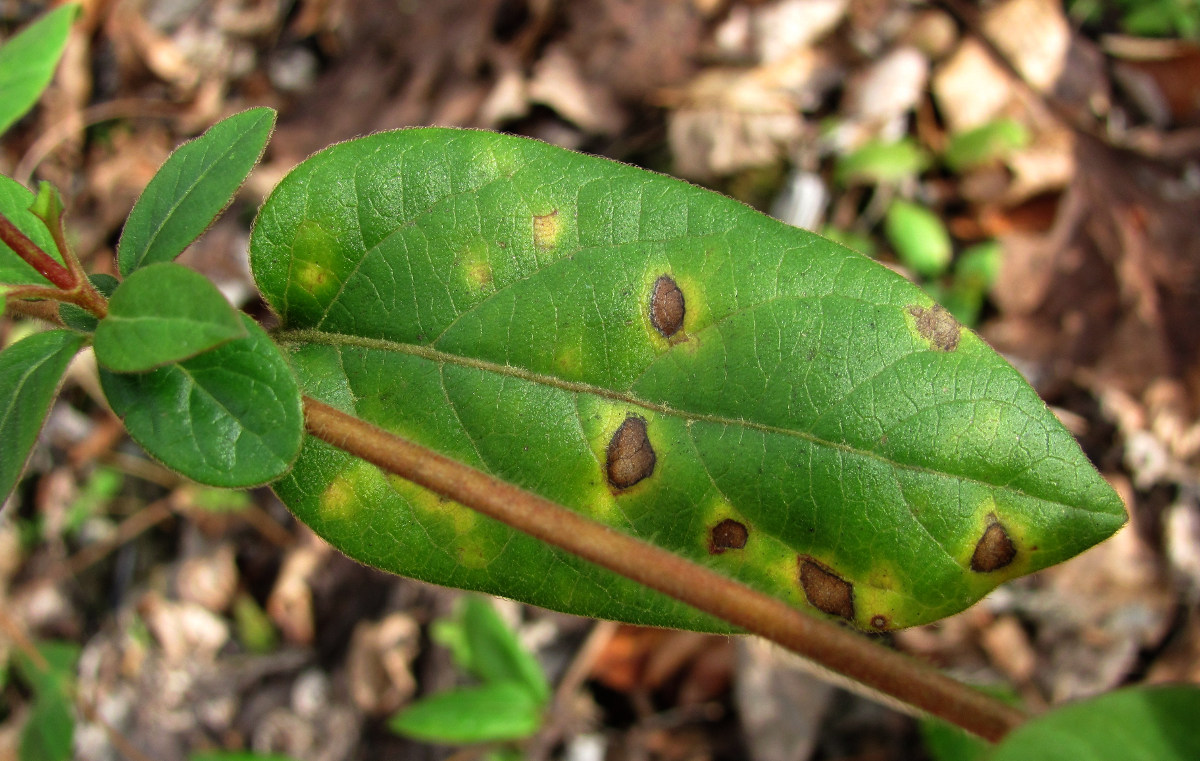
28	61
489	713
195	184
661	359
15	200
1156	723
228	417
161	314
30	371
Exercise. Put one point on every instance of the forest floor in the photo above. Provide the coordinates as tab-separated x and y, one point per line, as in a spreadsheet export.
225	624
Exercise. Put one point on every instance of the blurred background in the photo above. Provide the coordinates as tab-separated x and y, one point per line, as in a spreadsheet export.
1032	164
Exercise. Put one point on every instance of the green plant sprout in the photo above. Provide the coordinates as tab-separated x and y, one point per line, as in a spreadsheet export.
507	367
510	700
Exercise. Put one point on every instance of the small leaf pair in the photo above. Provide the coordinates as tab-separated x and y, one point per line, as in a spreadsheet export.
200	386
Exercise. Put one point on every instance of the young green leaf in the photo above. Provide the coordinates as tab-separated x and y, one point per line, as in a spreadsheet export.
15	200
228	417
28	60
879	162
489	713
30	371
1156	723
237	755
919	237
161	314
496	654
662	359
989	142
195	184
253	626
49	733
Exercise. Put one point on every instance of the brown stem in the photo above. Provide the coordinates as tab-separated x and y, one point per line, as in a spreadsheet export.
42	310
37	258
831	646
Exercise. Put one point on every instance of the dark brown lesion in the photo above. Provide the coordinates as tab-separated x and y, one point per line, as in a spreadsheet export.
630	458
937	326
667	306
995	549
727	535
825	590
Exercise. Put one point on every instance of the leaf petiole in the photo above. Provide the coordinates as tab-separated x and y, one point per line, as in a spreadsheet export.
71	282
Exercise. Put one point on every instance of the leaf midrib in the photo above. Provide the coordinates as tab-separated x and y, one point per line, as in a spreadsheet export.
303	336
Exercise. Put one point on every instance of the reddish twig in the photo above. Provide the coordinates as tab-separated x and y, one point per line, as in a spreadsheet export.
37	258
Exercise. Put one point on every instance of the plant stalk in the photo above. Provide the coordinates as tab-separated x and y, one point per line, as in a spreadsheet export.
830	645
70	281
37	258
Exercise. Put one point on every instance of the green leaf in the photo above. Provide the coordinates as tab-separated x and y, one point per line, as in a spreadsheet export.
1152	723
228	417
28	60
254	628
101	487
49	733
919	237
496	655
946	742
77	318
30	372
61	658
975	269
161	314
237	755
986	143
664	360
881	163
15	200
489	713
195	185
220	501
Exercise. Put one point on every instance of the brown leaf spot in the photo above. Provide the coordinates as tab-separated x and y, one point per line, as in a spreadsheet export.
630	457
727	535
879	622
826	590
995	549
666	307
546	228
937	326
